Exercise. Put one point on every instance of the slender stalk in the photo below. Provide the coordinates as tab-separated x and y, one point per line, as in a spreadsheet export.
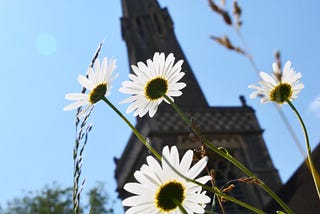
223	153
135	131
248	55
290	129
158	156
241	203
218	192
182	209
308	147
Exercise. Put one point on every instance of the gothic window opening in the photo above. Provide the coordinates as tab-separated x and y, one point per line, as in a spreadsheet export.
157	24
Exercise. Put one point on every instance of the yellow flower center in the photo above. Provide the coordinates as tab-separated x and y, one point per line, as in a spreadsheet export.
281	93
98	93
155	88
168	195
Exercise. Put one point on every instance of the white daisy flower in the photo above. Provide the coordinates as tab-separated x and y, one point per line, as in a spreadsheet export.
159	186
279	87
98	83
150	82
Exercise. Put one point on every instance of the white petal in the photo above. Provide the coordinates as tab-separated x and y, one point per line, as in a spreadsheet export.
153	109
170	159
293	77
174	94
103	70
145	208
199	198
286	68
86	83
165	153
156	64
133	85
151	68
197	168
153	163
204	179
137	189
267	77
136	79
176	69
145	70
129	99
135	200
161	64
276	68
175	157
127	90
168	64
146	179
299	86
75	105
145	108
176	78
255	94
139	73
91	76
77	96
111	66
186	162
97	71
141	105
256	87
178	86
111	79
195	208
266	86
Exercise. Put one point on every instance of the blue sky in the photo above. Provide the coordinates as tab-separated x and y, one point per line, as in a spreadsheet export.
44	46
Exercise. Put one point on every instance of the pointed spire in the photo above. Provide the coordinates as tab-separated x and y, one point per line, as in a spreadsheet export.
147	28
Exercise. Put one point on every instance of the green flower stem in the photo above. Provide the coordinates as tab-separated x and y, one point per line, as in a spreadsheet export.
309	157
218	192
158	156
234	200
223	153
135	131
182	209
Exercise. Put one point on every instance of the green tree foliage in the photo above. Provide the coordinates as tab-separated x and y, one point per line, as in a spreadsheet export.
56	200
99	199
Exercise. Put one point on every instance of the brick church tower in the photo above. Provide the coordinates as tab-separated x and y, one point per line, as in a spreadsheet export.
148	28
